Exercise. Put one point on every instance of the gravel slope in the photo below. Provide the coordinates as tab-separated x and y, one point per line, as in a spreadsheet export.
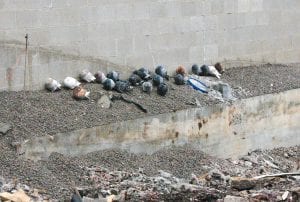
40	112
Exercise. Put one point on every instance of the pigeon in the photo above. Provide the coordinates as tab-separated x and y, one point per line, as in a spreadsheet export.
122	86
179	79
219	67
100	77
76	198
196	69
147	87
160	70
87	76
162	89
135	80
157	79
109	84
181	70
70	82
52	85
113	75
81	93
210	71
143	73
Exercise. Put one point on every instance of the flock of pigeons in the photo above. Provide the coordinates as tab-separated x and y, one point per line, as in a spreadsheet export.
141	77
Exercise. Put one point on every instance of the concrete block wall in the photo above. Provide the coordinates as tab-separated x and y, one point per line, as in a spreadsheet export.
66	36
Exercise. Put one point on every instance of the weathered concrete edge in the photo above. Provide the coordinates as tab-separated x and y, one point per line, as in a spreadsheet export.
265	121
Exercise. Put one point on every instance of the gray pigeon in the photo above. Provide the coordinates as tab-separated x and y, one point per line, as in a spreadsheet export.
196	69
113	75
179	79
135	80
122	86
147	87
157	79
162	71
108	84
162	89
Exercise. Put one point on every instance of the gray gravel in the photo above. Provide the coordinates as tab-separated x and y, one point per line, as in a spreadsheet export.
40	112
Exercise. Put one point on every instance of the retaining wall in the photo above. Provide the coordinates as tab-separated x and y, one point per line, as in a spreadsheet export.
262	122
66	36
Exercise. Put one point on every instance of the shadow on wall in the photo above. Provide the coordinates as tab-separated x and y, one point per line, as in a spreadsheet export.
37	64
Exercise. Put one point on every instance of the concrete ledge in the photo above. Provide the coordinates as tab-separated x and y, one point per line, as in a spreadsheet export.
266	121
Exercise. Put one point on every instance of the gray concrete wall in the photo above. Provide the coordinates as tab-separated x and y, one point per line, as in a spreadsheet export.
262	122
66	36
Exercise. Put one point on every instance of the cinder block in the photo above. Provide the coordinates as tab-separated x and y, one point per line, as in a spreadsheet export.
27	19
141	44
188	8
196	54
51	17
182	25
256	5
144	27
197	23
123	11
7	20
141	10
157	10
210	53
124	46
173	9
229	6
217	7
243	6
211	22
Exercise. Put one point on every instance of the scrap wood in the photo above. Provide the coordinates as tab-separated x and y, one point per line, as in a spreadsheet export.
277	175
129	101
18	196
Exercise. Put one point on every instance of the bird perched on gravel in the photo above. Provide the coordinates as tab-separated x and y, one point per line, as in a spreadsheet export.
135	80
147	87
219	67
100	77
76	198
87	76
122	86
210	71
181	70
80	93
70	82
179	79
162	71
196	69
143	73
52	85
109	84
162	89
157	79
113	75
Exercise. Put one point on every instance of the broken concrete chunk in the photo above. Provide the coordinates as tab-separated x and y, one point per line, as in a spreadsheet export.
235	199
4	128
240	183
104	102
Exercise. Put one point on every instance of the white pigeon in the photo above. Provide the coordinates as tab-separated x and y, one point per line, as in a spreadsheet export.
70	82
213	71
52	85
87	76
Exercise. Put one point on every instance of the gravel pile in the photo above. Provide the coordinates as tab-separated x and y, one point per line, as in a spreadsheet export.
39	113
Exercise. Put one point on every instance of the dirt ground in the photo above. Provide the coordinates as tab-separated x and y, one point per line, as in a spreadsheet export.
39	113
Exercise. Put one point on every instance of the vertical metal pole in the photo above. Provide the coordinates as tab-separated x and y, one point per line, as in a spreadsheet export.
26	53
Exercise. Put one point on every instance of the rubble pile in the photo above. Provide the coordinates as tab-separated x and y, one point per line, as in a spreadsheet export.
271	175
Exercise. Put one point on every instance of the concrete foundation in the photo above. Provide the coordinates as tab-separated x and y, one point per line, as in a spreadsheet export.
66	36
262	122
